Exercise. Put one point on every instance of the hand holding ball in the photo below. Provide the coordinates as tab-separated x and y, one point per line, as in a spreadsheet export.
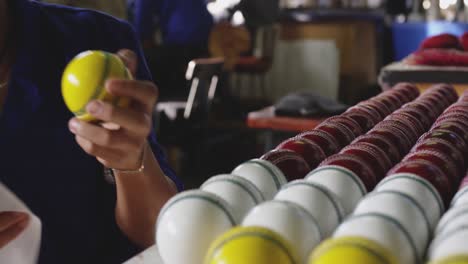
84	78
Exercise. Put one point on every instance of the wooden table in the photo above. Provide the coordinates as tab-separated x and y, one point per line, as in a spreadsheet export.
266	120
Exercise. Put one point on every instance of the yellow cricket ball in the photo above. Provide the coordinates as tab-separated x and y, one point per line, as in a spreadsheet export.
84	78
351	250
459	259
242	245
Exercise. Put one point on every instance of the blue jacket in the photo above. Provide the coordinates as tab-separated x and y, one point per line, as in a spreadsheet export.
183	22
40	160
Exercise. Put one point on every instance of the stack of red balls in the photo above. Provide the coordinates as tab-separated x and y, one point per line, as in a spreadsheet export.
386	144
441	50
440	155
297	156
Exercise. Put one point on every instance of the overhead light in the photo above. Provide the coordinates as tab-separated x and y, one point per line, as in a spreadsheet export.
427	4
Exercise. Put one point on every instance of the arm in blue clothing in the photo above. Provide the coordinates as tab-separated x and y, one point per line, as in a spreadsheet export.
144	14
142	192
140	196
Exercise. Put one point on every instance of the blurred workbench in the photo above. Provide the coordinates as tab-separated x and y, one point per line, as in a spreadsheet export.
266	119
269	124
424	76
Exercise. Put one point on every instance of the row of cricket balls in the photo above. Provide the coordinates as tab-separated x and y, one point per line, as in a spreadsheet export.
332	191
402	213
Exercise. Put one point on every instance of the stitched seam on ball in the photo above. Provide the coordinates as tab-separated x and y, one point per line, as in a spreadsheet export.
325	135
459	195
233	182
418	179
272	173
397	224
360	245
449	163
208	199
342	128
351	174
322	189
371	150
454	258
100	85
447	144
412	201
263	236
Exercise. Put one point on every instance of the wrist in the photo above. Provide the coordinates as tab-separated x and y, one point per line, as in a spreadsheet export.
137	170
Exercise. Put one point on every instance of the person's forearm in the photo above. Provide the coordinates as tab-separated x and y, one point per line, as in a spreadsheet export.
140	197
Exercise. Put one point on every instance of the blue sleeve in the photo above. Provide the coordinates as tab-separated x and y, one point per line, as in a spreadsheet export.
144	14
101	32
187	22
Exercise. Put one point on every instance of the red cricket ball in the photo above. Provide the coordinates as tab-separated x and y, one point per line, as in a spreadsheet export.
372	155
452	116
410	120
433	100
340	132
424	107
362	118
401	96
369	111
373	108
392	97
447	135
460	106
348	122
383	143
310	151
396	135
407	128
356	165
446	90
446	102
444	147
408	89
442	161
459	128
428	171
418	114
326	141
289	162
387	102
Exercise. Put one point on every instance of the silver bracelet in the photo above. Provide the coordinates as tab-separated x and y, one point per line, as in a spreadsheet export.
136	171
3	85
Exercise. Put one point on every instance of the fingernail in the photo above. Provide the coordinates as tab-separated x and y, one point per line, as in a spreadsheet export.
20	215
94	107
108	85
23	216
126	54
24	222
74	125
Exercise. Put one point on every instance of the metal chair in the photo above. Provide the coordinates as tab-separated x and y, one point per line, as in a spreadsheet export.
183	125
203	75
